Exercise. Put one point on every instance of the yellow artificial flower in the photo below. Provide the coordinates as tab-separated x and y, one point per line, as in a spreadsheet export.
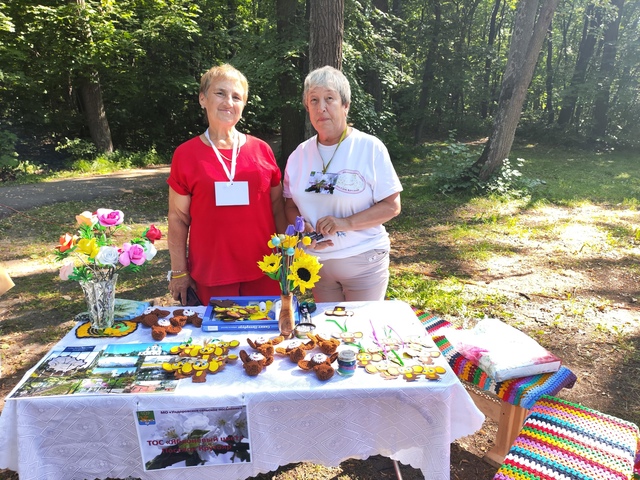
304	272
88	246
270	263
290	241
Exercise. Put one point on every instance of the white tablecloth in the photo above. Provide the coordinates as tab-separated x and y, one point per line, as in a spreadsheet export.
293	417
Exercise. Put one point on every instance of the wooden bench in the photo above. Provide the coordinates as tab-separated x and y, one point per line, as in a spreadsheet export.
561	439
508	402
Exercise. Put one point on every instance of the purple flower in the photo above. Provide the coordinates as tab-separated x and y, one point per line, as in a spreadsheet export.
132	253
299	224
109	218
290	231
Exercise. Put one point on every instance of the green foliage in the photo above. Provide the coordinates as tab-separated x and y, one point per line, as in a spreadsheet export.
8	154
149	56
78	148
457	172
86	158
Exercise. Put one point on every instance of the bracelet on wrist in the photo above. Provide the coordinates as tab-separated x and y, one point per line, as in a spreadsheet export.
176	274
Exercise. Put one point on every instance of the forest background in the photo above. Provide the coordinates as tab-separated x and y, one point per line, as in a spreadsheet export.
90	85
86	77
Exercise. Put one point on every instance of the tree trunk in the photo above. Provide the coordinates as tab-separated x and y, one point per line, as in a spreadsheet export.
427	74
95	115
373	84
549	80
291	116
326	32
484	106
326	19
607	71
91	95
592	19
526	43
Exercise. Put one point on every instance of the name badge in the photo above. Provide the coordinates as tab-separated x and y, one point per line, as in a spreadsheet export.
227	193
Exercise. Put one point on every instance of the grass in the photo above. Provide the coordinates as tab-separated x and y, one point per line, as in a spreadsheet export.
440	229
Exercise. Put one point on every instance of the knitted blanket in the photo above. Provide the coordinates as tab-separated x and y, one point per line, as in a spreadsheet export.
562	439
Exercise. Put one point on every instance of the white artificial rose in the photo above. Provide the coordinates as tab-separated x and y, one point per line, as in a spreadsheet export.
107	256
149	251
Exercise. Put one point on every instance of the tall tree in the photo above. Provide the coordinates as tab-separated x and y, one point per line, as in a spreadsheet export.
291	117
326	32
484	106
592	20
91	91
549	79
531	23
607	70
428	72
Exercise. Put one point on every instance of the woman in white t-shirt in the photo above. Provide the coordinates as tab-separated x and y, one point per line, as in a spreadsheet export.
343	183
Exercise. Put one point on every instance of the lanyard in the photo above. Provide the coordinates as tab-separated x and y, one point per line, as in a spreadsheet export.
234	156
326	167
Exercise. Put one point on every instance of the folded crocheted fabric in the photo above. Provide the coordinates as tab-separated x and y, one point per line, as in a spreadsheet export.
523	392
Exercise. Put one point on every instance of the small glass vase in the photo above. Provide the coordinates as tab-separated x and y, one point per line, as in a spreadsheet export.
286	316
101	298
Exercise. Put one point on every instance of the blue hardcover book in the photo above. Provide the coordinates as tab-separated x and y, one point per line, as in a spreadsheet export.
254	314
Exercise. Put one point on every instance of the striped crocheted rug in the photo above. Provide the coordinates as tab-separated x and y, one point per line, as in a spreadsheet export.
523	392
565	440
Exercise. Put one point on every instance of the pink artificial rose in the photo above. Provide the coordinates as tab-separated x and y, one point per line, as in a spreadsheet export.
153	233
109	218
132	253
87	218
66	270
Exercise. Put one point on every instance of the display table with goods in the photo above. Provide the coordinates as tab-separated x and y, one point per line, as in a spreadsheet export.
161	395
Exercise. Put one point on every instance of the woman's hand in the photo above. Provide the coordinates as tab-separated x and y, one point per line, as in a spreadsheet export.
331	225
178	288
321	244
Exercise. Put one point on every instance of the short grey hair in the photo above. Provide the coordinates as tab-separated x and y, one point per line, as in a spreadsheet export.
226	72
328	77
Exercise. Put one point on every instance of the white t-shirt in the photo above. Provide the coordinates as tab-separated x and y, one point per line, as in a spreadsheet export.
365	176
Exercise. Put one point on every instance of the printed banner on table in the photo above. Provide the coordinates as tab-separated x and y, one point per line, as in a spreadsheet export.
194	437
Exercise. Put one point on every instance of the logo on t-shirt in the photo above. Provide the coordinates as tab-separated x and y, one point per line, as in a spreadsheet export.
350	181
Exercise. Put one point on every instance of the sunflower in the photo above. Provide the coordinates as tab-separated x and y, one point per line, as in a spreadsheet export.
270	264
304	272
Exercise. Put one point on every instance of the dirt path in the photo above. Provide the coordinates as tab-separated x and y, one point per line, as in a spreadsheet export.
20	198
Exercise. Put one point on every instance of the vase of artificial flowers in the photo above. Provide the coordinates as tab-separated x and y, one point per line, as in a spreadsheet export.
293	268
100	296
97	260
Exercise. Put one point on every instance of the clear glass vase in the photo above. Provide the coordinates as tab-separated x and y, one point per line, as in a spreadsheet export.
101	298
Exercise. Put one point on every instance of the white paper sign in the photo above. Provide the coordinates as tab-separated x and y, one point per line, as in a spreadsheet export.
191	438
227	193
